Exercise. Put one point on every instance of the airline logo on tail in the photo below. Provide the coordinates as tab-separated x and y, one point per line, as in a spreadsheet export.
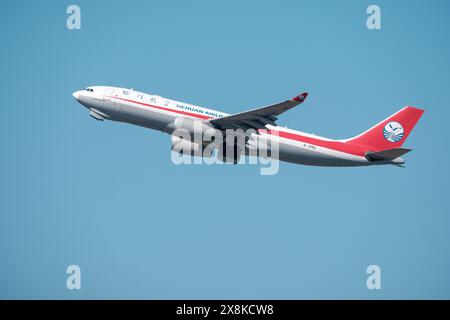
393	131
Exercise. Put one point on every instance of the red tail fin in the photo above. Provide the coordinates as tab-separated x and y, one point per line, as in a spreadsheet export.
391	132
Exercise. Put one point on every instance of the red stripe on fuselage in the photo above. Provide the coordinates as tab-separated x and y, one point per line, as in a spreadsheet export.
165	109
329	144
333	145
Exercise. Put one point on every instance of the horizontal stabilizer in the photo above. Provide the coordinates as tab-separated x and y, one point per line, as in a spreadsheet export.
389	154
258	118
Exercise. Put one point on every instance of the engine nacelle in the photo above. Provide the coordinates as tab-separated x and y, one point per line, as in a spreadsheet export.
193	126
186	147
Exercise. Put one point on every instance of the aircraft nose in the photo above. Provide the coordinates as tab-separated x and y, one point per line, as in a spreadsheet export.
76	95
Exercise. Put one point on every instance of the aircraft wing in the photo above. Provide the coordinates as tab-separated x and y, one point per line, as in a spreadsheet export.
389	154
257	118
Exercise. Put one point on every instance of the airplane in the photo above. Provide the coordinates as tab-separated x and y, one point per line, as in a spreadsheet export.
379	145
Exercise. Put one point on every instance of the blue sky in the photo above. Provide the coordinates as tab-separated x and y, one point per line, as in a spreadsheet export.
106	196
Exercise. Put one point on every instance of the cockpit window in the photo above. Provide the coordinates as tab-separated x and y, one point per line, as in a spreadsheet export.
89	90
